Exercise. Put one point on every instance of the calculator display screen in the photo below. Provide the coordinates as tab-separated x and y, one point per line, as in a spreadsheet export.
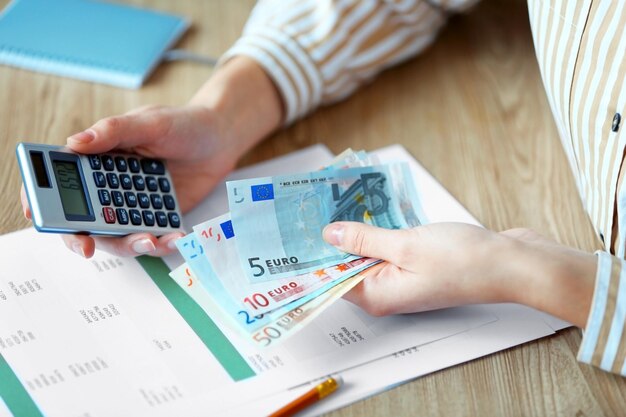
71	188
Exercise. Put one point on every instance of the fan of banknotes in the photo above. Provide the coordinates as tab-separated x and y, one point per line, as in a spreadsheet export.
264	271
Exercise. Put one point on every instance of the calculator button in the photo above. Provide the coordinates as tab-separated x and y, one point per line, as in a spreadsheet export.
133	165
164	184
121	164
113	180
105	197
131	199
118	199
139	182
108	163
148	217
152	166
135	217
168	200
174	219
109	214
122	216
94	162
161	218
98	178
151	183
157	201
127	183
144	201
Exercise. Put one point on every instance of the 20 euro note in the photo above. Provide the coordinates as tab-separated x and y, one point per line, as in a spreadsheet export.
280	327
217	237
191	250
279	220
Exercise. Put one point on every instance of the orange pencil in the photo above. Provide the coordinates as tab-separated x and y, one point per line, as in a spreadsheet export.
310	397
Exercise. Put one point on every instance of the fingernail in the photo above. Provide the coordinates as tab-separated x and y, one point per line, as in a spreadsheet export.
78	249
333	234
25	211
82	138
171	244
143	246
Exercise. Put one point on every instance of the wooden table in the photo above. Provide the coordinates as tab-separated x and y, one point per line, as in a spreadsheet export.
472	110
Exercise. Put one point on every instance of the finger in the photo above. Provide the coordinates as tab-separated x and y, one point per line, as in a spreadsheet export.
80	244
131	245
371	293
370	241
167	244
25	204
125	131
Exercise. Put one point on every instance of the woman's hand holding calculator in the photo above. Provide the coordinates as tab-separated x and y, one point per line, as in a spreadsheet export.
201	143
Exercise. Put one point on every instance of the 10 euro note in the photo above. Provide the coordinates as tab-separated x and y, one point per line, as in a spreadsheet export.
247	322
274	331
279	220
218	239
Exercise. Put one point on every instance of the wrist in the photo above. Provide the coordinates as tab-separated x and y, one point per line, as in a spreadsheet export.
245	100
553	278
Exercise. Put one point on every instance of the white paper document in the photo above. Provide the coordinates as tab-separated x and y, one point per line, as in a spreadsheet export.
115	336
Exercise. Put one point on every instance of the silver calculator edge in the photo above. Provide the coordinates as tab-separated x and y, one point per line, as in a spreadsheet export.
54	221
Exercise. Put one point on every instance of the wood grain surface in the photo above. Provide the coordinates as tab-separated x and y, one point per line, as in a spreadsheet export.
471	109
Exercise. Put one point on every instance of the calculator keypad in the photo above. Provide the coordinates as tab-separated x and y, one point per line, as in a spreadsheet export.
113	180
120	164
135	217
133	165
151	183
108	163
105	197
109	214
152	207
139	182
99	179
94	162
126	182
118	200
122	215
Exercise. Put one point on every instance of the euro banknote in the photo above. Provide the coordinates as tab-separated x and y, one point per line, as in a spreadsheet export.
280	219
217	238
281	327
248	321
275	226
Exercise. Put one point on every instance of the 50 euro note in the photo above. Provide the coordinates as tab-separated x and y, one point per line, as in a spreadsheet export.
280	327
217	237
193	253
279	220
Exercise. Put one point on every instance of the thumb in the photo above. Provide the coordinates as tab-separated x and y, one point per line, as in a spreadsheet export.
125	131
369	241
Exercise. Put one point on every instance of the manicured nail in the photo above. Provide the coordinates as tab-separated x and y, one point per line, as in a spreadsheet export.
333	234
78	249
82	138
171	244
143	246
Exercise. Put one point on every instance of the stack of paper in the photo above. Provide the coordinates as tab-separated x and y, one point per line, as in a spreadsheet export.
116	336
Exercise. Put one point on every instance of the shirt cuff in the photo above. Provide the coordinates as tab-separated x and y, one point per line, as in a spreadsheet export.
288	65
604	339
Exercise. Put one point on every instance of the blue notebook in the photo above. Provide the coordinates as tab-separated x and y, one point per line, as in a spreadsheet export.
90	40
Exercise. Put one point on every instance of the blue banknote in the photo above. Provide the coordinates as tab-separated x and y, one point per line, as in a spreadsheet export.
193	253
279	220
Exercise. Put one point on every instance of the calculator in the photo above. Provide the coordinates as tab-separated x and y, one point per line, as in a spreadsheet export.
111	194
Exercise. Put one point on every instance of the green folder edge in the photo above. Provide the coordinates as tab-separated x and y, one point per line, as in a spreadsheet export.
20	403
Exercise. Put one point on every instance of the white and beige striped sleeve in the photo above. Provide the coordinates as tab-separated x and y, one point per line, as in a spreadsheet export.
320	51
581	49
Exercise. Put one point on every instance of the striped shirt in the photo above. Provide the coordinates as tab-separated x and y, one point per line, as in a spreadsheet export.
320	51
